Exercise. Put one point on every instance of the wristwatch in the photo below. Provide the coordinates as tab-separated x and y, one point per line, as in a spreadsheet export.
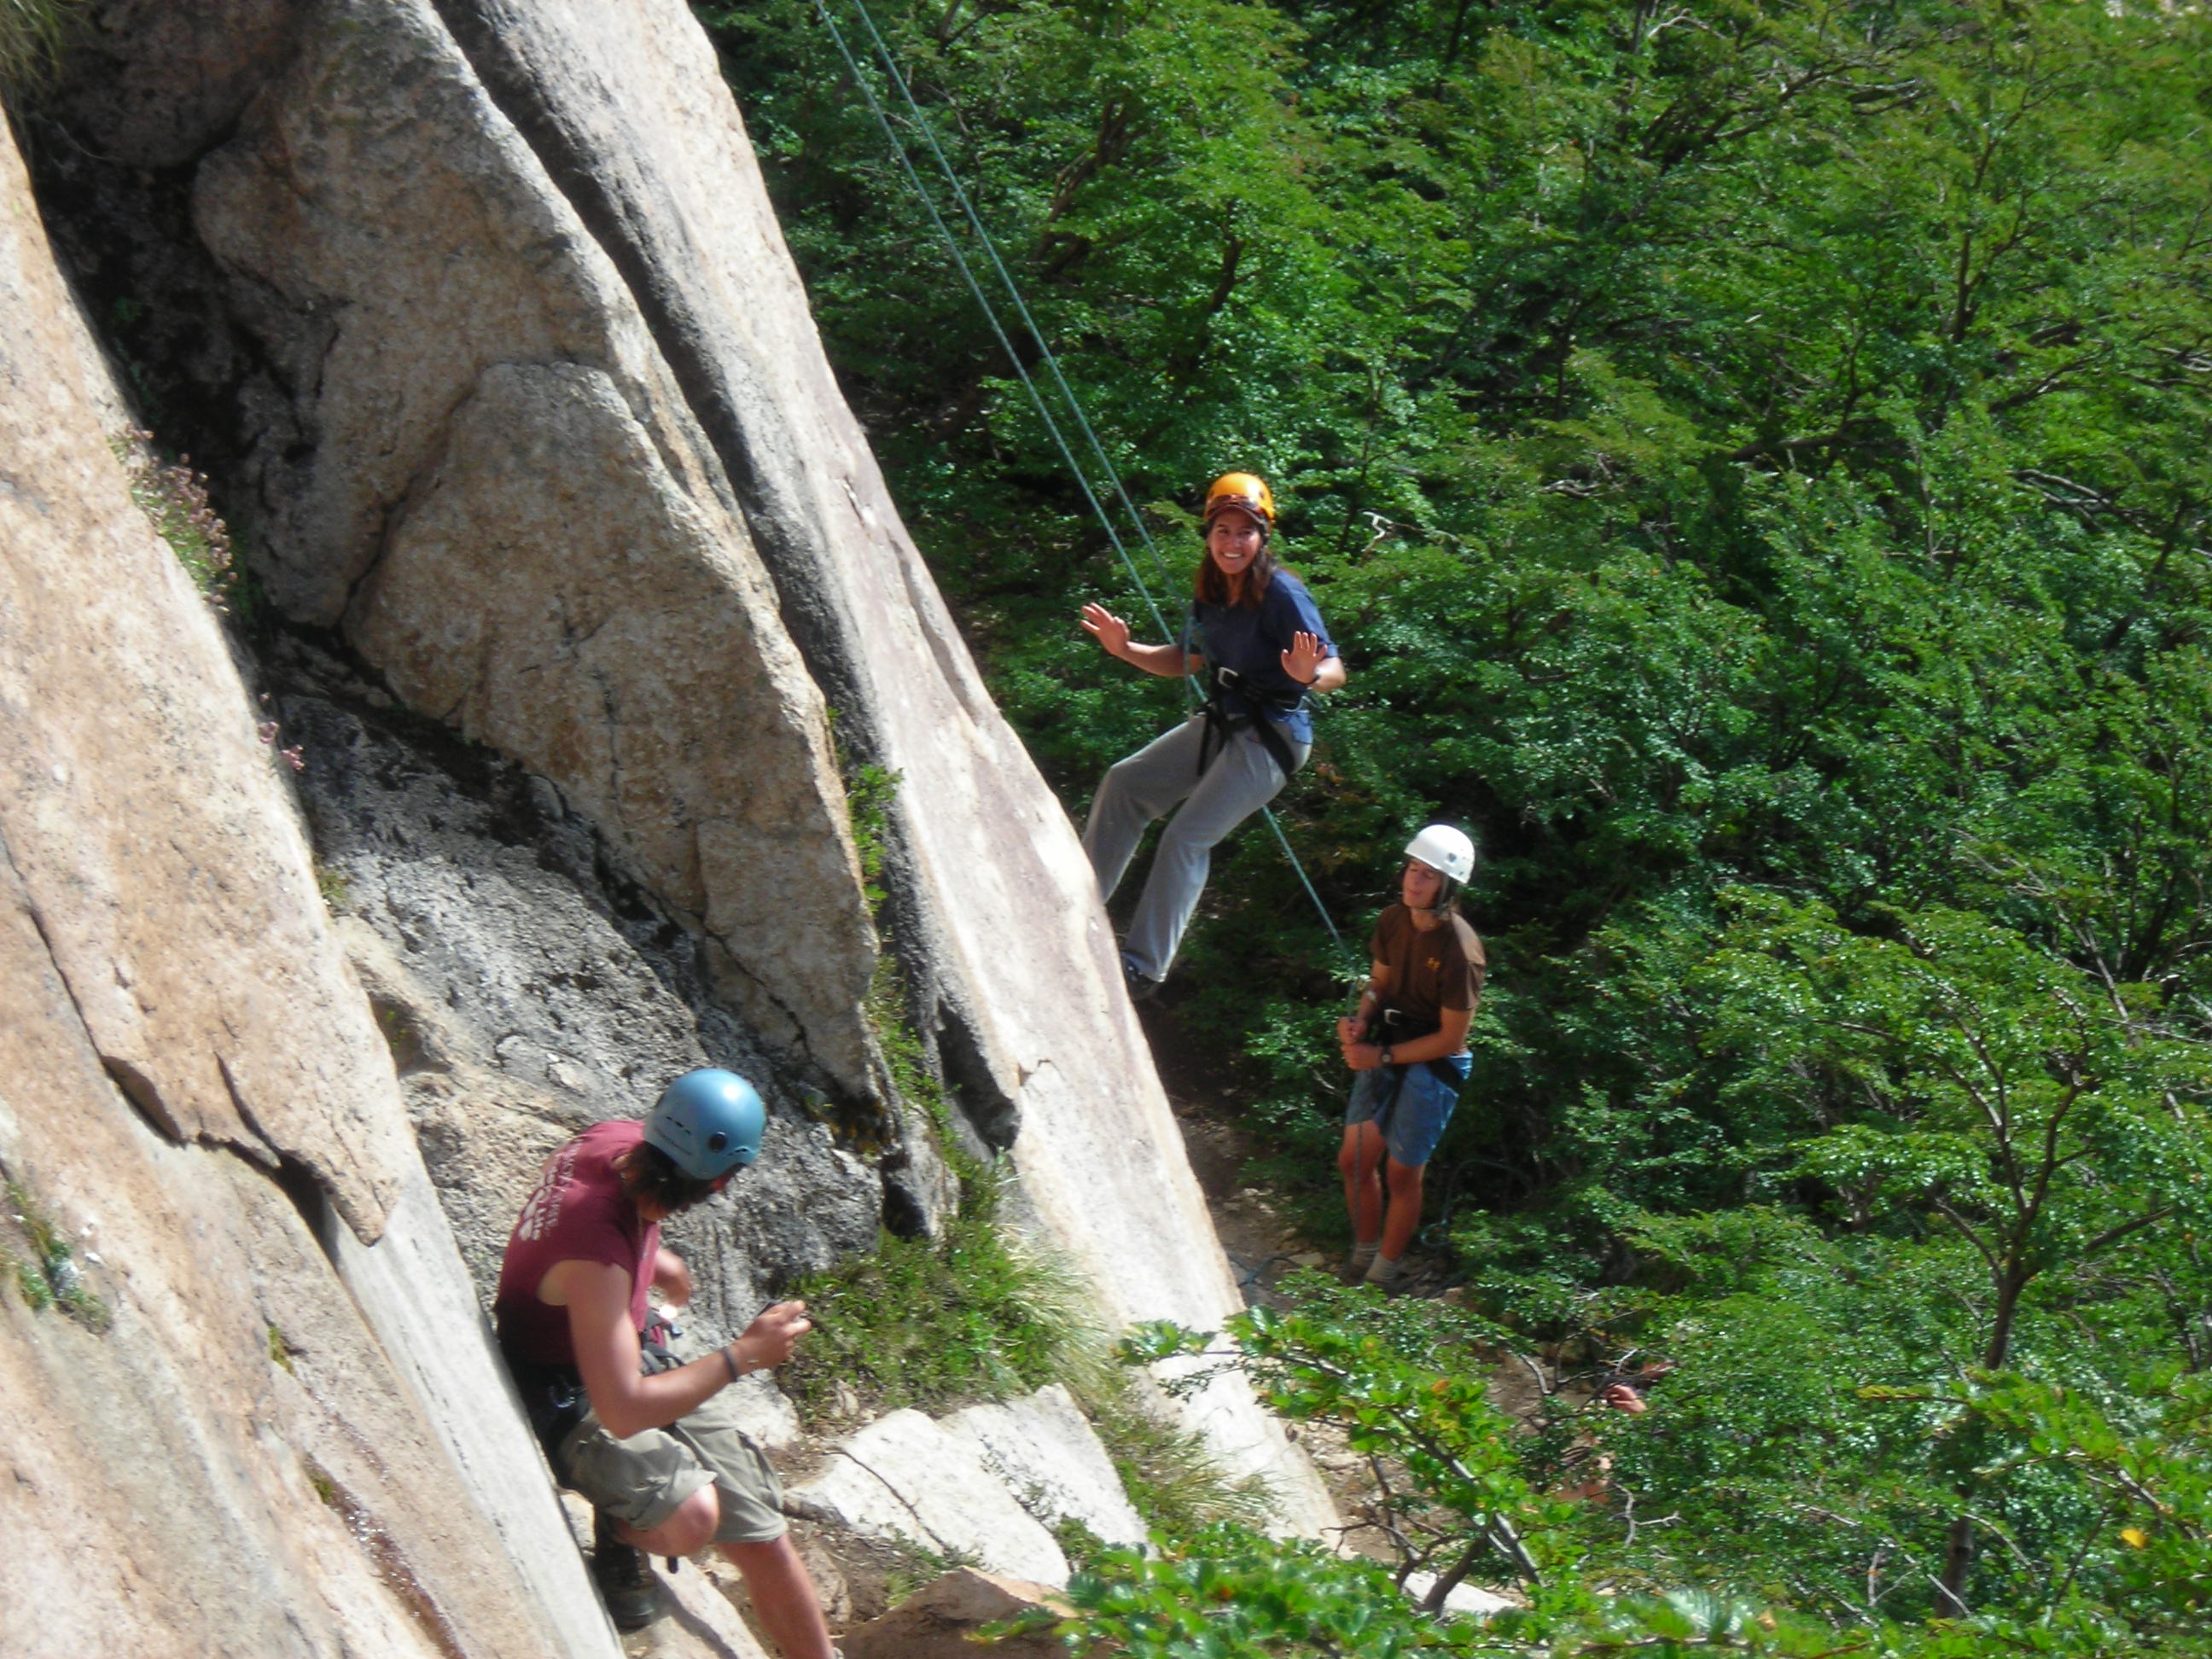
1386	1060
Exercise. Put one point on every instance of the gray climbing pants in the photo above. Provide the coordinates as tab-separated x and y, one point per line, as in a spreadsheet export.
1239	780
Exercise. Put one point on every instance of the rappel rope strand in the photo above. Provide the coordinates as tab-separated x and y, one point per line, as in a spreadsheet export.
1305	881
1051	360
968	275
1013	291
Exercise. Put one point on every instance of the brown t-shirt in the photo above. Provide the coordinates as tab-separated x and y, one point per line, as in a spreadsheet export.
577	1212
1431	970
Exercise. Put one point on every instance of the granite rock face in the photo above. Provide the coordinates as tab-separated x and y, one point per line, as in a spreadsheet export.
472	458
249	1405
1002	934
494	339
143	819
529	992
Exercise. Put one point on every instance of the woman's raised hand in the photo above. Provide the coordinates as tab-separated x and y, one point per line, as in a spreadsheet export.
1302	661
1109	629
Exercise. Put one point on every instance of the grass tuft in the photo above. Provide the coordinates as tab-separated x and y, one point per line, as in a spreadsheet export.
33	33
977	1313
337	891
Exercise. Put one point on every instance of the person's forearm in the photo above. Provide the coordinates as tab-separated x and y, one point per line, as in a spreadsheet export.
1415	1051
1329	677
655	1401
1449	1039
1165	660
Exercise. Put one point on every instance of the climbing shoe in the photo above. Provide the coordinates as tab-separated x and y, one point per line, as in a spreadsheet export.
1142	987
625	1581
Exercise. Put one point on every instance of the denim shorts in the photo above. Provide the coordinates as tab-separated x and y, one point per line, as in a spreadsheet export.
1413	1121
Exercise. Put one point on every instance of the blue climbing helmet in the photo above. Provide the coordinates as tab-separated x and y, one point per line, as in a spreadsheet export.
708	1122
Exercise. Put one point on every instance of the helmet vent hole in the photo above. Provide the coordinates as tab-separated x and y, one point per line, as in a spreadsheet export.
715	1142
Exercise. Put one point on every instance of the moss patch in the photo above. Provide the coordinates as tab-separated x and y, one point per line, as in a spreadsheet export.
43	1263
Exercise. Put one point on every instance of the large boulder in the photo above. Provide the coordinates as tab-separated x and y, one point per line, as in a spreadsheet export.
483	470
904	1480
248	1401
1041	1448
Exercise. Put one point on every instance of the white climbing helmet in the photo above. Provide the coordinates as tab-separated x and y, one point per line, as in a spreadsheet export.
1445	850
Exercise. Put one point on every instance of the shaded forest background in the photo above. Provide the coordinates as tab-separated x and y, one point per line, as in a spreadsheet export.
1754	456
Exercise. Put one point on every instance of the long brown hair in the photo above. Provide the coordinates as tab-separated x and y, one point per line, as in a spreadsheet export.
1213	588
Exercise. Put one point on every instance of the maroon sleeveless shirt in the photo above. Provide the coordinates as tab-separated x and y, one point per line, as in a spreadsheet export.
577	1212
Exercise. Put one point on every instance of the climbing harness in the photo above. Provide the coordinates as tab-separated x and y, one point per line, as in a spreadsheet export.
1222	725
1046	354
1389	1028
553	1396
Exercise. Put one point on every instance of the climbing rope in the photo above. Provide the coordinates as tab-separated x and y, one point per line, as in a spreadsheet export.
1013	293
968	277
1045	354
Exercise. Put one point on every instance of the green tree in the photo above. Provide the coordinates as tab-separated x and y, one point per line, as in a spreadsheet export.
1750	455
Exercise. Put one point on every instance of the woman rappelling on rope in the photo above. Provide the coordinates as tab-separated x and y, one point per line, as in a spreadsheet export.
1260	645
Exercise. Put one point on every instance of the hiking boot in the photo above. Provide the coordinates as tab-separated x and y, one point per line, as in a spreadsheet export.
625	1581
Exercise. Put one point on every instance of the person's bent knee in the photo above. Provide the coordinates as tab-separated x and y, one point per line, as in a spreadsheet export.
1119	784
689	1529
1403	1178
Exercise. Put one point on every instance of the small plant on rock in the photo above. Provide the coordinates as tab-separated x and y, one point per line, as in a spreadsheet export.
50	1276
175	498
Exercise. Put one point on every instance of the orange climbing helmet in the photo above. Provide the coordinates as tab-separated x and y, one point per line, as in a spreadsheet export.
1246	490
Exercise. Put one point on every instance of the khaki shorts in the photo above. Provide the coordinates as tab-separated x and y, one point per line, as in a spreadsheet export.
642	1480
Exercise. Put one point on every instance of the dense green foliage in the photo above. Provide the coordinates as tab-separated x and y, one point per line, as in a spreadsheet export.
1754	457
2120	1486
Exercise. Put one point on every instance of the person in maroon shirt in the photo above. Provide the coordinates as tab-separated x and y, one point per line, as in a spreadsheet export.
642	1435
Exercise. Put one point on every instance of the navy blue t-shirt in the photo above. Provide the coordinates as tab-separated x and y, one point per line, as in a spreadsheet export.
1252	642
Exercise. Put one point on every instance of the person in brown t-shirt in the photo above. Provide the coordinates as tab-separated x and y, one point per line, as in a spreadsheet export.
1407	1047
